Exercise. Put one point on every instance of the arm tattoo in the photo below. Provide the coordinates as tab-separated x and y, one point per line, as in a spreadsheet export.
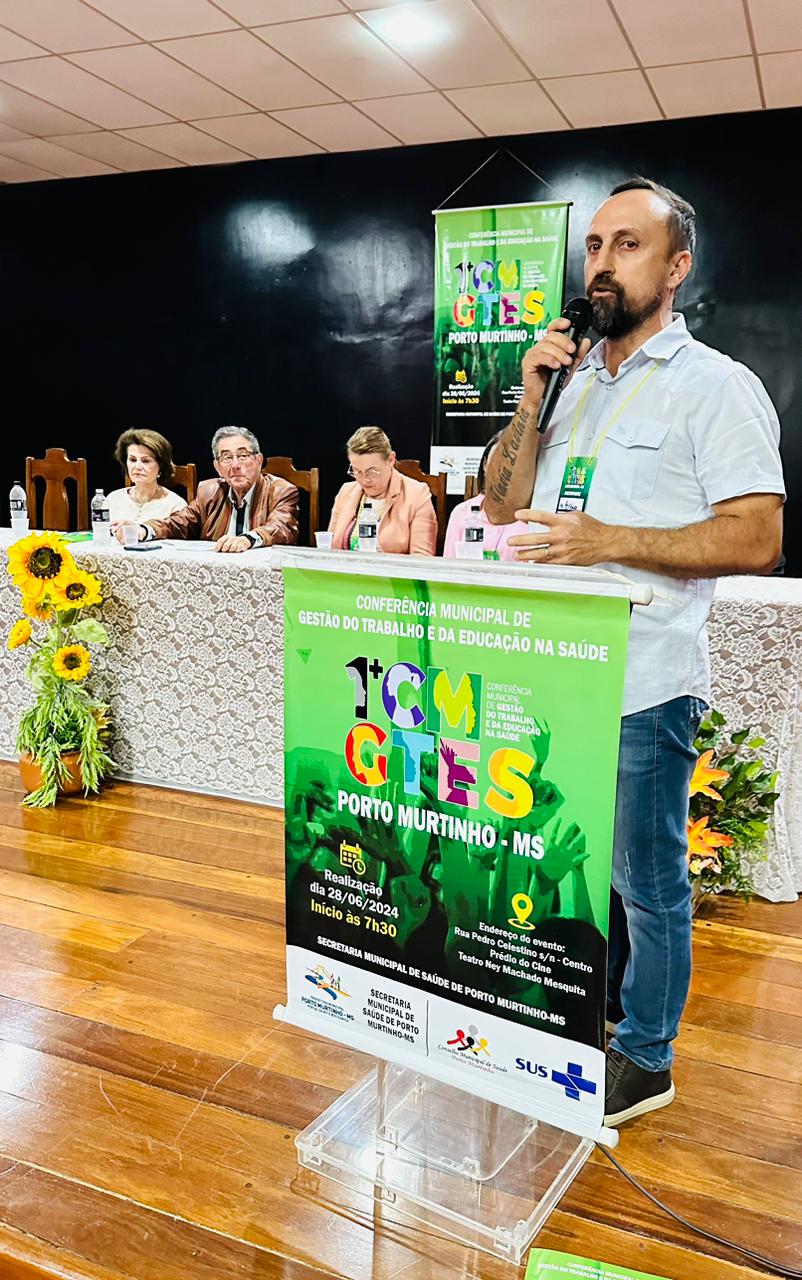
510	444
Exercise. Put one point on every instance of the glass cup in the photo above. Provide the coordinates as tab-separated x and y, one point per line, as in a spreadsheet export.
323	539
130	535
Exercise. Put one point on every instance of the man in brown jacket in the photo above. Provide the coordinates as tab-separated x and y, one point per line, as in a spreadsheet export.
241	510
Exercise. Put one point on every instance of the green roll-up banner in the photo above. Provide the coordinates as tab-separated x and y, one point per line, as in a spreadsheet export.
545	1264
451	757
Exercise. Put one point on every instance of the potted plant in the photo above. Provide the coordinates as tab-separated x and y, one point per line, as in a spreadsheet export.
732	798
63	738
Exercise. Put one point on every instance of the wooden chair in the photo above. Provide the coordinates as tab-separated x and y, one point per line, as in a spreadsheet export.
186	478
55	469
437	485
471	487
307	481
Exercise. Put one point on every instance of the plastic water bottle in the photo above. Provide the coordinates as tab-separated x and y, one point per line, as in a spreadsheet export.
19	509
474	534
101	520
368	529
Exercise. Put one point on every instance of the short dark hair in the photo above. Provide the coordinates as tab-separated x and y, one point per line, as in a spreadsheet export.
682	215
481	476
161	449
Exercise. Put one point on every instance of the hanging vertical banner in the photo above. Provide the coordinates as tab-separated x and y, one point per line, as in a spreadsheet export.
451	757
498	281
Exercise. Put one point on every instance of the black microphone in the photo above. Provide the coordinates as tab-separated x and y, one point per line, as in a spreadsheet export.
580	313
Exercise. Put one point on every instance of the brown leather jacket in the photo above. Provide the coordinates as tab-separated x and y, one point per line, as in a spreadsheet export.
274	513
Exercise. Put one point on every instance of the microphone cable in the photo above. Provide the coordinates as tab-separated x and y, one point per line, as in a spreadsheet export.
789	1273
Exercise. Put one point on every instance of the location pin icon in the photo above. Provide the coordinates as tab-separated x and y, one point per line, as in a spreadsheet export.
523	906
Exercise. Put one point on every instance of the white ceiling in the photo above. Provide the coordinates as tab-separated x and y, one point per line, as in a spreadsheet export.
118	85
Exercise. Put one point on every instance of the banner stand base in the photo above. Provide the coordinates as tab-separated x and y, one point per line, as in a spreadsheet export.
451	1162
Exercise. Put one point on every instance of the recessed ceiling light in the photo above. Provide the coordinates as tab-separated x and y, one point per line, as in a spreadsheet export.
410	27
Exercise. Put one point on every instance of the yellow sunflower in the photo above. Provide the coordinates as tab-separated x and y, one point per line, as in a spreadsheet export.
39	607
79	591
19	634
40	561
100	714
71	662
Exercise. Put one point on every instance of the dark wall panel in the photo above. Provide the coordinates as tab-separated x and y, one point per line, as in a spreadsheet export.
295	296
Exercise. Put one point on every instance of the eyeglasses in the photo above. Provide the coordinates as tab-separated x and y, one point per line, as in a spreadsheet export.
371	474
242	455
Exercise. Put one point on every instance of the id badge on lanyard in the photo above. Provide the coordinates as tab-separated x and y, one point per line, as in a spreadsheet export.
580	468
576	482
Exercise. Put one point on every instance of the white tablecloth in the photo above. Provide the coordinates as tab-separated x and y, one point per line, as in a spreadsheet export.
756	659
194	676
194	672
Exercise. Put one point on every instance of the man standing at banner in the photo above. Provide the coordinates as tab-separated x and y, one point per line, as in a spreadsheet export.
661	462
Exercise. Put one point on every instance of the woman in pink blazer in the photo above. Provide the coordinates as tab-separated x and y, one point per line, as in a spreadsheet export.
407	522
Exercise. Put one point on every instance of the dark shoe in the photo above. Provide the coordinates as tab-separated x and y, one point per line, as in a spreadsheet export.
631	1091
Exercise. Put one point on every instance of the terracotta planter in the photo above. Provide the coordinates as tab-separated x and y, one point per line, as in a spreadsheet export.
31	775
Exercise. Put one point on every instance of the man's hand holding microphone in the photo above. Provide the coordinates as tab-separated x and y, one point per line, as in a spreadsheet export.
570	537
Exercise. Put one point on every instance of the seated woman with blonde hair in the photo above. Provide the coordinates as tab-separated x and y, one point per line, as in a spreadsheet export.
147	459
403	507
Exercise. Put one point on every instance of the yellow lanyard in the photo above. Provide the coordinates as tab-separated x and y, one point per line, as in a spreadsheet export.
601	439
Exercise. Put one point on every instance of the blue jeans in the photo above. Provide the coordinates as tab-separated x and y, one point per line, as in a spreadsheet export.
649	950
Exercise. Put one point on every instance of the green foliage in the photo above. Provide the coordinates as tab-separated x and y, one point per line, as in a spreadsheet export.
744	811
89	631
64	717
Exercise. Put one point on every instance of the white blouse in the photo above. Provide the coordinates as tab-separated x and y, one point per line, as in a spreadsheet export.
123	509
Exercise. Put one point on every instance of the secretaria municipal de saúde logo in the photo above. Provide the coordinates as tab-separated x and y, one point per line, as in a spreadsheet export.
327	982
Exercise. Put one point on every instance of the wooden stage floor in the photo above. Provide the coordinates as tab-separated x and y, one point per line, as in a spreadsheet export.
148	1103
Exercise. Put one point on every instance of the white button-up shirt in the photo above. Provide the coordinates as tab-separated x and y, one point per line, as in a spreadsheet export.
232	524
701	430
232	498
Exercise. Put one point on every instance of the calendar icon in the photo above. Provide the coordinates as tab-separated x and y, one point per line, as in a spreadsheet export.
351	858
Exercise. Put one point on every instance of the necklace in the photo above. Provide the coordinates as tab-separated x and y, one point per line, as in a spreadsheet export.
141	502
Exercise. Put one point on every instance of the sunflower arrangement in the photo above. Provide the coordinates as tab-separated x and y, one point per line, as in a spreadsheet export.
65	717
732	798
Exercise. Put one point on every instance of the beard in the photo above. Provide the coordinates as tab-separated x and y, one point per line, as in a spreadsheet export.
616	316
